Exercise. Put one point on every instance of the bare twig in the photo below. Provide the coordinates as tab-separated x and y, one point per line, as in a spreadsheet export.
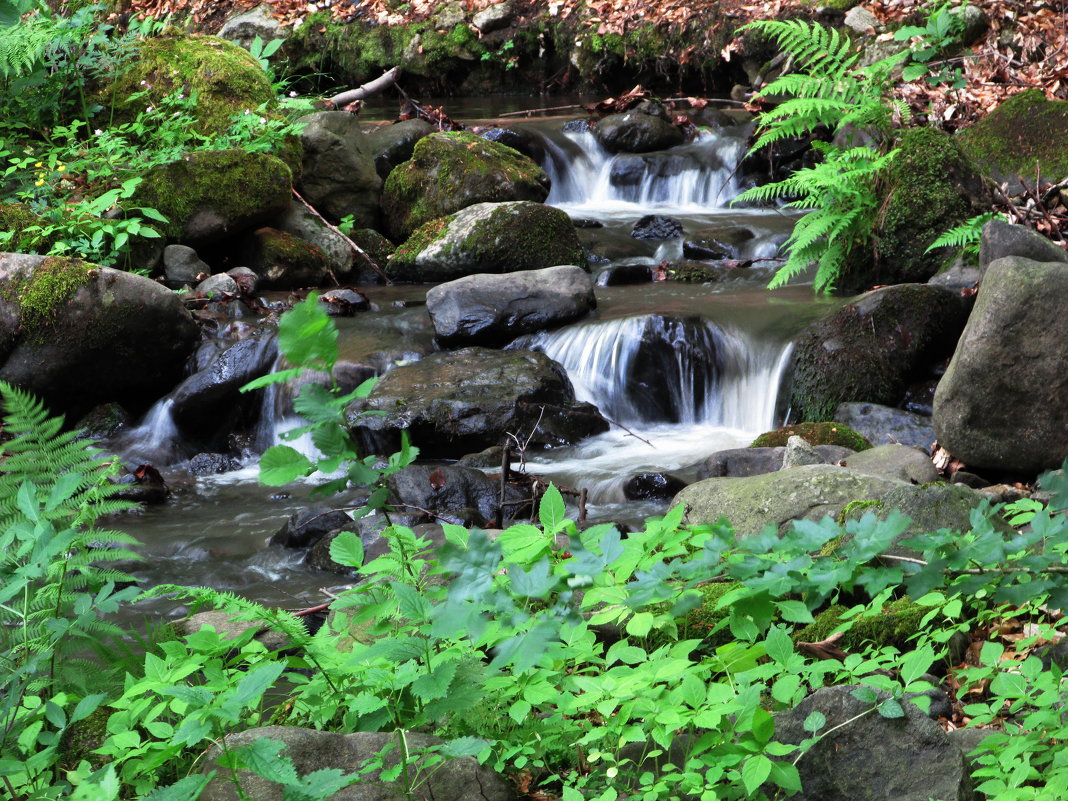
383	81
629	432
360	251
978	571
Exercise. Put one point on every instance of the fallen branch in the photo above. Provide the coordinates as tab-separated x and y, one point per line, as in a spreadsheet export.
978	571
612	422
383	81
360	251
529	112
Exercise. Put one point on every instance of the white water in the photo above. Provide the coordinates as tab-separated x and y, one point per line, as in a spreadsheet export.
689	178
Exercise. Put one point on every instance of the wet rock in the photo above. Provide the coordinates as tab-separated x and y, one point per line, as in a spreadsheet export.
247	281
706	250
490	457
344	302
957	275
871	757
652	487
143	485
339	175
625	275
284	261
467	400
208	464
635	132
815	433
312	750
103	422
1002	239
656	227
777	499
576	126
452	171
586	222
895	461
302	223
369	529
742	462
883	424
182	265
450	493
309	525
521	140
1000	405
488	238
100	335
968	479
872	348
495	309
218	285
919	397
391	145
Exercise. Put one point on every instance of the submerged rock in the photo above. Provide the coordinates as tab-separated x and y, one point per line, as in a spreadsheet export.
468	400
451	493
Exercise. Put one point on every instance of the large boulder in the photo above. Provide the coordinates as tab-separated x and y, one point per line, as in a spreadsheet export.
872	348
777	499
78	335
212	194
451	493
635	132
744	462
488	238
451	171
311	750
1000	405
392	145
1024	135
862	756
339	175
1002	239
469	400
882	424
495	309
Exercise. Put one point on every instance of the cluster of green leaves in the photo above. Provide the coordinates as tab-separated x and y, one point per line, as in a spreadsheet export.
829	91
965	237
931	42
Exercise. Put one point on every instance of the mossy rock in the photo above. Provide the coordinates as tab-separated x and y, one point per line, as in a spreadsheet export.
15	218
931	186
871	349
225	78
213	194
284	261
898	621
488	238
699	622
451	171
814	434
1024	134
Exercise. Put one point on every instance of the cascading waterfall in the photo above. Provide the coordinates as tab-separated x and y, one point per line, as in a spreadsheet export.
695	177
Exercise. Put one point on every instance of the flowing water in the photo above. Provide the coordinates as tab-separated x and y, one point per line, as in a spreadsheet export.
683	370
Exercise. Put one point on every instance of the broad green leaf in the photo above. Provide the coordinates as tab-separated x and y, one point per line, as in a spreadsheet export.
815	721
436	683
264	758
785	775
763	726
779	645
916	662
991	653
186	789
866	695
755	772
464	746
1009	685
256	682
640	624
891	708
281	464
347	549
785	687
551	512
307	336
794	611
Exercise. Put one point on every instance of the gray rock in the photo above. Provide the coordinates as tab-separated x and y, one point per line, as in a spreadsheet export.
118	337
245	27
521	139
284	261
344	302
1001	239
310	525
369	529
209	464
799	452
312	750
957	276
657	228
882	424
339	175
967	740
872	757
246	279
495	309
218	285
777	499
468	400
391	145
301	222
453	494
861	20
182	265
899	462
635	132
1001	404
488	238
230	629
494	17
743	462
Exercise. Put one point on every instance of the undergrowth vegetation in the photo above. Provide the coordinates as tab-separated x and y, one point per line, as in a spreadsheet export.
554	654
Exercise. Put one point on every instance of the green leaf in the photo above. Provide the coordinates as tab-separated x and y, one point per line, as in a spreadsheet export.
755	772
640	624
347	549
435	684
916	662
779	645
464	747
307	337
1009	685
256	682
763	726
866	695
913	71
794	611
891	708
786	776
815	721
281	464
551	511
264	758
187	789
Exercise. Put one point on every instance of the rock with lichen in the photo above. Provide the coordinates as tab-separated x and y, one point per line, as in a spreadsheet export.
284	261
451	171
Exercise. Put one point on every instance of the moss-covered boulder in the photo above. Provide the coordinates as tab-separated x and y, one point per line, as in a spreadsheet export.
814	434
15	218
78	335
451	171
488	238
872	348
469	400
1024	134
212	194
392	145
931	186
339	176
225	79
283	260
895	625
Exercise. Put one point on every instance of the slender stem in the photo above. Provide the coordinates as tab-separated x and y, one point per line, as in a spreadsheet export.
835	728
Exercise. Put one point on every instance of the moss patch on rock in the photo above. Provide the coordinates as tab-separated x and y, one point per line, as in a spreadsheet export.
898	621
814	434
1025	133
15	218
42	293
226	79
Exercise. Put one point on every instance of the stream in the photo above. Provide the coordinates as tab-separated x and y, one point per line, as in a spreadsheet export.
685	369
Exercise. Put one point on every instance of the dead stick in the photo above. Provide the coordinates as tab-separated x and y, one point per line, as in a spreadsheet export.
583	495
631	433
353	245
311	610
506	458
383	81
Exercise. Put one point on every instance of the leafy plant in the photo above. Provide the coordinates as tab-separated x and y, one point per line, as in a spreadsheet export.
965	237
940	34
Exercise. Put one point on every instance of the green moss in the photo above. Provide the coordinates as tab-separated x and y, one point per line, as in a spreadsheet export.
690	273
236	185
898	621
420	240
15	219
814	434
856	506
43	292
82	738
839	5
225	78
703	622
373	244
1022	135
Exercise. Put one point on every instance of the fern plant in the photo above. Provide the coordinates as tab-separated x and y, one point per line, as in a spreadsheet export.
965	237
22	41
830	90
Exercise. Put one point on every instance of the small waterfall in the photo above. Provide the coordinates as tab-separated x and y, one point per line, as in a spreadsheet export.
695	177
155	440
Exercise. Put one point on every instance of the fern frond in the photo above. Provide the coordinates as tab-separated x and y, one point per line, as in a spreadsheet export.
22	45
